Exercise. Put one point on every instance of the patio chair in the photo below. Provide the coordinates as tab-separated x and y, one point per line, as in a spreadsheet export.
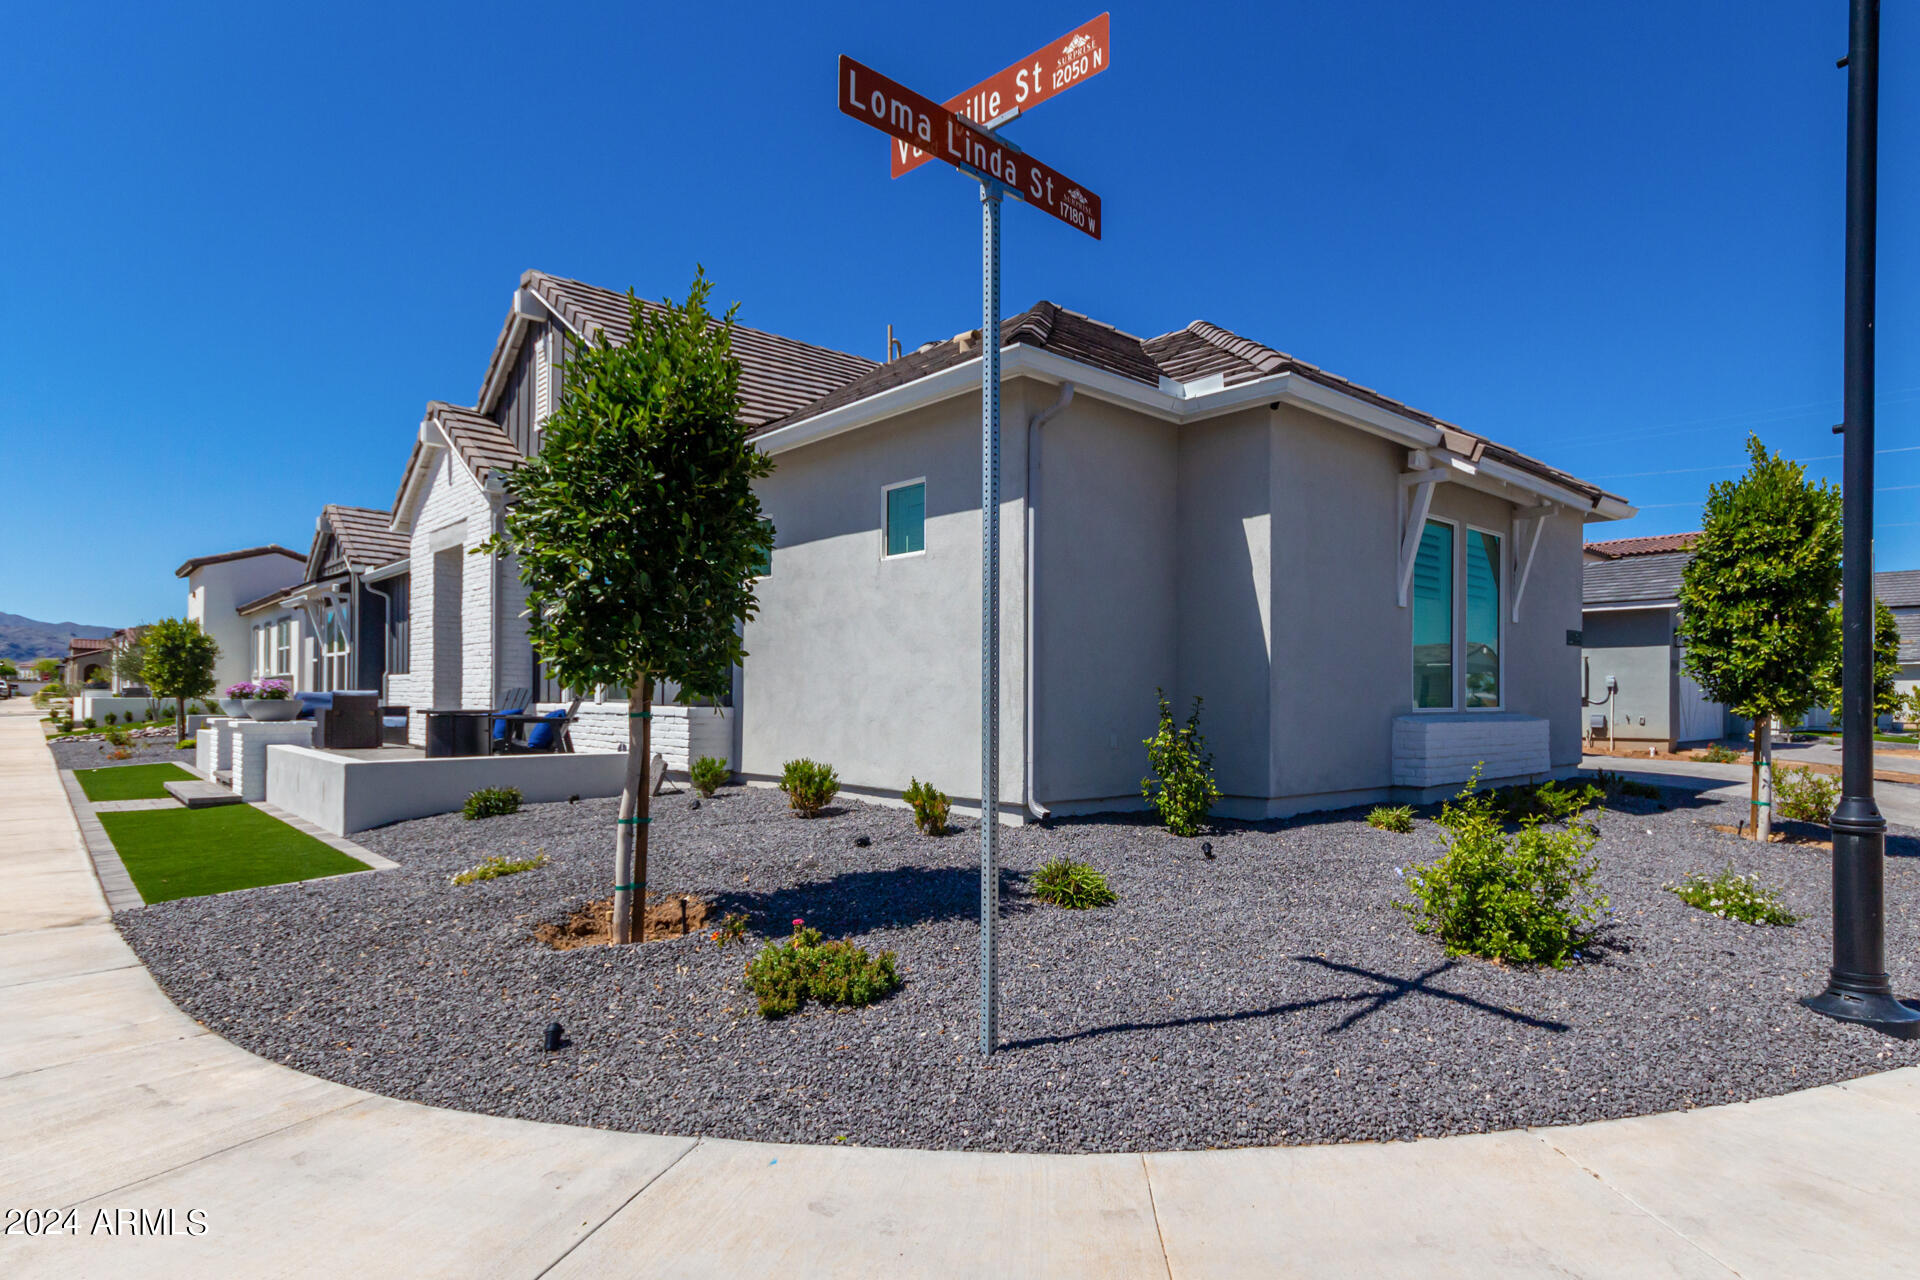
513	702
552	733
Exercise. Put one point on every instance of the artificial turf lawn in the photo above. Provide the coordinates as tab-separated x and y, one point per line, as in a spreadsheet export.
184	853
130	781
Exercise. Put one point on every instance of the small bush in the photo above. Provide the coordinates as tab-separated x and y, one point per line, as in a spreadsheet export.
110	718
787	974
491	802
1617	787
1181	786
1526	898
1392	817
1073	885
117	738
931	807
707	774
810	786
1732	896
88	722
730	931
494	868
1802	795
1719	753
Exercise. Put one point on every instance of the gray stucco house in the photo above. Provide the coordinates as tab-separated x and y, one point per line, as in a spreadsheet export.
1370	600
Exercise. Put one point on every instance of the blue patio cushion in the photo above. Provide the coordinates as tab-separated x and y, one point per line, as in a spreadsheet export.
540	736
500	726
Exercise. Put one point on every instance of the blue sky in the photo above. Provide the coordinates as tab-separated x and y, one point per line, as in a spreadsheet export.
246	243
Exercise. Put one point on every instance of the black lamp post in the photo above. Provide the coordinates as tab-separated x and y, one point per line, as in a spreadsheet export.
1858	989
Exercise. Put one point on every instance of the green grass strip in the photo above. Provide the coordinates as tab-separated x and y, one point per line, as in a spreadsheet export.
130	781
185	853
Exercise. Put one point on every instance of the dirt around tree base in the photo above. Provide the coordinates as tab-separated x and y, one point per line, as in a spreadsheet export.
672	915
1773	837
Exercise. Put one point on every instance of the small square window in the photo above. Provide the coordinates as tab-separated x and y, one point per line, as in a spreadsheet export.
907	518
763	554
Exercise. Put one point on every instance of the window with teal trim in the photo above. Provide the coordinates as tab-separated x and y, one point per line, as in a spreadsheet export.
1483	619
906	518
763	554
1433	617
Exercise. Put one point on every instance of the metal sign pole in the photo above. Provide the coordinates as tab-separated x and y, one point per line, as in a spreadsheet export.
989	611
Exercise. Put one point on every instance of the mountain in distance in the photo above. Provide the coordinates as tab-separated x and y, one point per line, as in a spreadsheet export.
23	639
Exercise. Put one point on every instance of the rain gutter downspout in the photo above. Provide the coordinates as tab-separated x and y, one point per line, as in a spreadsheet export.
1039	420
496	510
386	638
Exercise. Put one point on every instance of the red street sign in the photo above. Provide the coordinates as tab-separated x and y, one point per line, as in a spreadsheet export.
1080	53
893	108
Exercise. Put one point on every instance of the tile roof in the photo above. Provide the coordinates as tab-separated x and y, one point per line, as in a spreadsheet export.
362	537
777	375
482	445
1898	587
272	597
200	562
1197	351
1654	578
88	644
1654	545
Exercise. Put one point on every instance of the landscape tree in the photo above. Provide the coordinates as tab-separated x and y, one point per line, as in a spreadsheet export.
46	668
1887	698
8	671
130	663
1755	599
637	534
179	664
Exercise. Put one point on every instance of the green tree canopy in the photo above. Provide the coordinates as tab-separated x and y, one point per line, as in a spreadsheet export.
46	668
129	662
7	670
1887	699
1755	599
179	665
637	531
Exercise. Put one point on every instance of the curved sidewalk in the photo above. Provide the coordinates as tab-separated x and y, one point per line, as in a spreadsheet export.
112	1099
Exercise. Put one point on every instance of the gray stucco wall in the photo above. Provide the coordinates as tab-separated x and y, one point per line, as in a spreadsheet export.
1635	646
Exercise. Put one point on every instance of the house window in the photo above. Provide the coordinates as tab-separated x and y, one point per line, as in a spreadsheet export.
906	517
336	649
283	647
399	642
1483	618
1433	617
258	667
763	554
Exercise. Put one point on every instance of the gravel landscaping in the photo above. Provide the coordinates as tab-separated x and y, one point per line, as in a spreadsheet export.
1271	994
91	753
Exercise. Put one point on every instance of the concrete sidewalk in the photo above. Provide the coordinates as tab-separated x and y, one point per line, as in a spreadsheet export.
112	1100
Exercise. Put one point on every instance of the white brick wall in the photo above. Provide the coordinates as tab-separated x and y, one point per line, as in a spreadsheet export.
680	734
452	496
251	740
1431	750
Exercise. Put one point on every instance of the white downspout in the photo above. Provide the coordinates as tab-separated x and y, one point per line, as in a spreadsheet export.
1039	420
496	507
386	635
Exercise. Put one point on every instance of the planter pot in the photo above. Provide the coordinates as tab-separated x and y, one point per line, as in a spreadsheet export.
234	707
270	709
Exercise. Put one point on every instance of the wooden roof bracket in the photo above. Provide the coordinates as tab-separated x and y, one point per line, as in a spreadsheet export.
1528	524
1427	469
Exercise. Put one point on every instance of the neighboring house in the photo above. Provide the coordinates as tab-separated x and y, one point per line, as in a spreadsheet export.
1371	601
468	641
1900	590
1630	635
218	585
330	628
87	658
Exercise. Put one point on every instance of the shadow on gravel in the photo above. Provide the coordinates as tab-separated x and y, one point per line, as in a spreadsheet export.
1390	990
888	898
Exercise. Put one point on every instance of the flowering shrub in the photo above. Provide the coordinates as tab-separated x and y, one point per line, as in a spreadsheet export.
1732	896
245	689
730	930
272	690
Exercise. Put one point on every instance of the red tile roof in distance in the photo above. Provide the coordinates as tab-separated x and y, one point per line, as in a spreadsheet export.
1658	544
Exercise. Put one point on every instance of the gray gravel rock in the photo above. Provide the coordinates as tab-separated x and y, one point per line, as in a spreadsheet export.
1270	995
91	753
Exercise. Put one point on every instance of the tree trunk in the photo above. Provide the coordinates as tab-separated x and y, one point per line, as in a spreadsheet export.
179	722
623	840
1754	807
643	762
1764	827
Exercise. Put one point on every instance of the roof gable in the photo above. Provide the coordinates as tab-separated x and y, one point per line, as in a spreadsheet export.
353	539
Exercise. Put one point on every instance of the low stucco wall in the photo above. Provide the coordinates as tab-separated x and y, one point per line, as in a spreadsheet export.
342	795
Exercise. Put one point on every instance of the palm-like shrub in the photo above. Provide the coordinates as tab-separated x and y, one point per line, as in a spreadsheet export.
1073	885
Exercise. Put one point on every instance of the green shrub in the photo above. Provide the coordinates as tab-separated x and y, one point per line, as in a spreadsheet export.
117	737
1732	896
1802	795
1719	753
810	785
930	807
707	774
1073	885
494	868
1392	817
88	722
110	718
731	930
1526	898
787	974
1181	786
1631	788
491	802
1548	801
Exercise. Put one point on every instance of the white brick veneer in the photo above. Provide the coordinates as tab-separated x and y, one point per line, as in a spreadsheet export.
250	741
213	745
680	734
1431	750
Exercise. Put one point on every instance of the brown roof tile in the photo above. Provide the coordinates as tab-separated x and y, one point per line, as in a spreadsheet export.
1658	544
481	443
271	549
362	537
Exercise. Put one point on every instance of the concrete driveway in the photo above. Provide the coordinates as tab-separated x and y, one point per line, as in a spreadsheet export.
170	1152
1899	802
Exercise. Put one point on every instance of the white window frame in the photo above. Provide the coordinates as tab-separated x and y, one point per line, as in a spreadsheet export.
283	647
1503	566
1456	628
886	489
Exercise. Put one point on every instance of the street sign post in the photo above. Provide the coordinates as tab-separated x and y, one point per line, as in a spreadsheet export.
923	130
1074	57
